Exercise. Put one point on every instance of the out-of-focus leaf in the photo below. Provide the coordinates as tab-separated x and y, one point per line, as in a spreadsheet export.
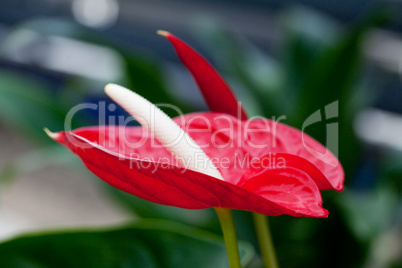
148	243
306	33
26	104
258	74
145	78
386	250
369	213
313	28
204	218
332	77
391	168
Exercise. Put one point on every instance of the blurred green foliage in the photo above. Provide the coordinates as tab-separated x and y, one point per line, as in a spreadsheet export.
318	63
29	108
148	243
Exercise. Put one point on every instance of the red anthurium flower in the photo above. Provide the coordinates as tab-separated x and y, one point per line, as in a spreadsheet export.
258	165
213	88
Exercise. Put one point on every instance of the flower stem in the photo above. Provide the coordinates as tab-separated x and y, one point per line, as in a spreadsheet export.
265	240
229	235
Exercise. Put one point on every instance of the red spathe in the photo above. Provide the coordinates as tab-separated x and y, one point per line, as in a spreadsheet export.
266	170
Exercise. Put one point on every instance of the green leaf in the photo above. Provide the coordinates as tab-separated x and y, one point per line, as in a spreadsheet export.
148	243
333	73
255	77
333	76
368	214
145	77
27	104
205	218
307	33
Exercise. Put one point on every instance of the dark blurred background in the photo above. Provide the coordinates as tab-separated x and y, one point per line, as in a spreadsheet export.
281	58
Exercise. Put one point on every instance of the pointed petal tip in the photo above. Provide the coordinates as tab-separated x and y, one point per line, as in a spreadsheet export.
52	135
340	188
320	212
315	211
325	214
163	33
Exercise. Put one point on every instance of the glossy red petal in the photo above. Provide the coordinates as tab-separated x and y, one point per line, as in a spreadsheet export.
296	142
215	90
289	187
142	178
167	184
244	143
297	162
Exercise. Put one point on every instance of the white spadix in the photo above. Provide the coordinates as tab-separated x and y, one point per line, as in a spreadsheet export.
165	130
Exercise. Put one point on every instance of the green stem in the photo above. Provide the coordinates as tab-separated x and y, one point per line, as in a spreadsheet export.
229	235
265	240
